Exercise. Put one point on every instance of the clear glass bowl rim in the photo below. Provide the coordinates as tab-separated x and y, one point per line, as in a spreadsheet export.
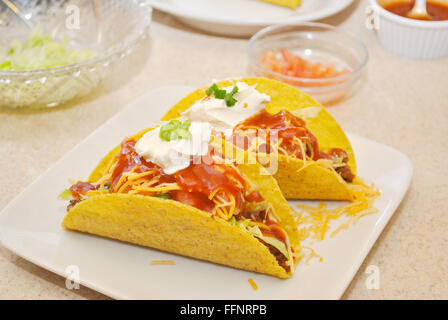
104	56
267	30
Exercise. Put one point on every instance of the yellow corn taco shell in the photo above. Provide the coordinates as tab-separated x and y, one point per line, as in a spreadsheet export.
292	4
171	226
296	181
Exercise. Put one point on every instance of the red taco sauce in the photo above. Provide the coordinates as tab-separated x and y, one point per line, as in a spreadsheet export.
286	127
437	10
198	181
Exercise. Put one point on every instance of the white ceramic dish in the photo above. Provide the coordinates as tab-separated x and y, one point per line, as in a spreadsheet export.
409	37
244	17
30	226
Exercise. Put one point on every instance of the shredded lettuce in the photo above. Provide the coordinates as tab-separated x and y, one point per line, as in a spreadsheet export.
307	113
40	51
163	195
65	195
338	160
254	230
239	223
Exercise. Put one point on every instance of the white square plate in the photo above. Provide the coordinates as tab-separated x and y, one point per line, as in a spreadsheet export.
30	226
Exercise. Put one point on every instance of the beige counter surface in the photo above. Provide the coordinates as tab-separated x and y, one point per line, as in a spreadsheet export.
402	103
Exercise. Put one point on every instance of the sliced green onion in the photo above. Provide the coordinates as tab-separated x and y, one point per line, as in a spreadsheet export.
165	135
183	133
186	124
229	99
211	89
222	94
174	130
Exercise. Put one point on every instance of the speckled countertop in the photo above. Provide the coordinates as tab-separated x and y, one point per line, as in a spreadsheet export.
403	103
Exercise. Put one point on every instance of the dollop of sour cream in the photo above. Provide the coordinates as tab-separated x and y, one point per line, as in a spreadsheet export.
223	118
174	155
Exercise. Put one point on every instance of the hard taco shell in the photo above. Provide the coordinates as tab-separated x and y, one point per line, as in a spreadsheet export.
171	226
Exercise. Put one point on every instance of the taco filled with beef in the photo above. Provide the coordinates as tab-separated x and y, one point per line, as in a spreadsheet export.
176	189
273	120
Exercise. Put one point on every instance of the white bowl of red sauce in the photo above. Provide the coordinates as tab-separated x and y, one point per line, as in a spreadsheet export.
319	59
412	38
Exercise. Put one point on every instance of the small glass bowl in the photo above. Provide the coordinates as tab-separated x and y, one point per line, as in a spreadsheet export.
109	28
316	43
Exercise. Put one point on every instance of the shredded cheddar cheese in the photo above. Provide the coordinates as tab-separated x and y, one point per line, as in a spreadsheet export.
253	284
158	189
162	262
312	255
315	220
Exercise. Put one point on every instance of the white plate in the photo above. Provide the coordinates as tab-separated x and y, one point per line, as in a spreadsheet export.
30	226
244	17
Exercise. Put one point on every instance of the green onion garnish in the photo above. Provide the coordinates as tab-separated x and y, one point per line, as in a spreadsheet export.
222	94
212	89
229	99
175	129
163	196
65	195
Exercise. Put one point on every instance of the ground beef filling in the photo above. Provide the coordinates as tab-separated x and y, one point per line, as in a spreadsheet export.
346	173
281	259
73	203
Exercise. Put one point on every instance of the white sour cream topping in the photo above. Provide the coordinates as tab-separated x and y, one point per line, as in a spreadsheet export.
174	155
224	118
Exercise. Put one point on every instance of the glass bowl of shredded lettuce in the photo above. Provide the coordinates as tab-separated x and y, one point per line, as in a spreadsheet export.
54	51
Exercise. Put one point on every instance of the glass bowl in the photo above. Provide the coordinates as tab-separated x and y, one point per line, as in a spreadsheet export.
316	43
109	28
